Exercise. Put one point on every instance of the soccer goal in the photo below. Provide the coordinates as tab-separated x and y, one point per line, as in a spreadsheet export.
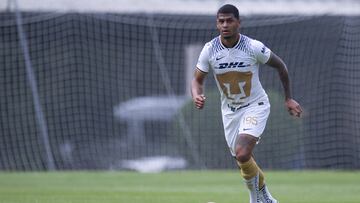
88	70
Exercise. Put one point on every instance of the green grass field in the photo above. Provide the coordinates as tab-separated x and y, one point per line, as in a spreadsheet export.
175	187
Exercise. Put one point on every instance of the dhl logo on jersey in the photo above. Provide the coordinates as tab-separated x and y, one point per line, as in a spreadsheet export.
232	65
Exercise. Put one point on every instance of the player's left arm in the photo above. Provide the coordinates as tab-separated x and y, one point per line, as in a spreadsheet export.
276	62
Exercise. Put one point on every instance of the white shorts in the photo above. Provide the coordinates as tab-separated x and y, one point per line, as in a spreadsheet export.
249	120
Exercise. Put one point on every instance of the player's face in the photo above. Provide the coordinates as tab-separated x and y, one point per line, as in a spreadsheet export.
227	25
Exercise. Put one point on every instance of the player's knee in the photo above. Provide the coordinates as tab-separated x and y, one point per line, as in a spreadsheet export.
243	155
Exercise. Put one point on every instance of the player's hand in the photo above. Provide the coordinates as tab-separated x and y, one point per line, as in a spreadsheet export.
293	107
199	101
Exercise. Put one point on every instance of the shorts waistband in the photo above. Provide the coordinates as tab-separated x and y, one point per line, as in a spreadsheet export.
233	109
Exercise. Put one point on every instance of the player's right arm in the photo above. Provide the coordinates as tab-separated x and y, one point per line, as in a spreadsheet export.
201	70
197	88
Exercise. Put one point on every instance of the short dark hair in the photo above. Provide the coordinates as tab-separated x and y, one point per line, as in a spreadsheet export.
229	8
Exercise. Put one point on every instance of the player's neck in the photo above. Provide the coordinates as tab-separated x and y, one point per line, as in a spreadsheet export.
231	41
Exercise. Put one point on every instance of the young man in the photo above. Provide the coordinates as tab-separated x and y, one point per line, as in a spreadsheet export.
234	59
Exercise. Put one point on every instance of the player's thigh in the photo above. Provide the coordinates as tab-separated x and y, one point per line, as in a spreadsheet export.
250	121
231	123
254	119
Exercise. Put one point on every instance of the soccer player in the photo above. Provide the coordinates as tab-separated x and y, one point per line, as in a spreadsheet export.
234	60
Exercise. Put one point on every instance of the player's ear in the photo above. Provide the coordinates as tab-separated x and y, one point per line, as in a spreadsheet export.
238	20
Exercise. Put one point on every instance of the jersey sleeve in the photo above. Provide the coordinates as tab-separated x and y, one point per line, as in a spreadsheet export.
203	61
262	53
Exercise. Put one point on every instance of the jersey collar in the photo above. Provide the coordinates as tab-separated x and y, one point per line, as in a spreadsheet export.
237	43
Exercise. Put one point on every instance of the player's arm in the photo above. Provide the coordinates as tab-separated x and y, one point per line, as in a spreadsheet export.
197	88
276	62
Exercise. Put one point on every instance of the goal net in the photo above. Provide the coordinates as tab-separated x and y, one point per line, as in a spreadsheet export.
100	91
